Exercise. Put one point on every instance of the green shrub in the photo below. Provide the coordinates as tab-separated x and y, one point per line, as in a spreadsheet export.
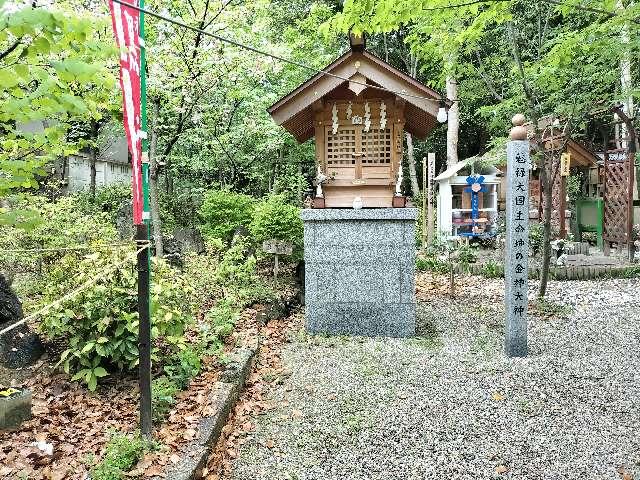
467	255
237	276
492	269
223	211
275	219
183	366
121	454
222	318
60	224
163	392
100	323
536	237
109	200
431	264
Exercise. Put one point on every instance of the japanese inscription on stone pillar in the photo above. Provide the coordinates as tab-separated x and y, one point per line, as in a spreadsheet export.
517	246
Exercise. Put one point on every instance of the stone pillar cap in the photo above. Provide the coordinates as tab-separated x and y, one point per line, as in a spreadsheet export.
518	132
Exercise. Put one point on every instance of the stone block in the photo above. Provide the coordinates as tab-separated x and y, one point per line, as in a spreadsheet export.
359	271
15	409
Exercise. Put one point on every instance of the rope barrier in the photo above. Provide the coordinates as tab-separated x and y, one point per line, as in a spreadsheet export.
65	249
73	293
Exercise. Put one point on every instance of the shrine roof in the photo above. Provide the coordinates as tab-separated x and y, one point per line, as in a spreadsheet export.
295	111
455	169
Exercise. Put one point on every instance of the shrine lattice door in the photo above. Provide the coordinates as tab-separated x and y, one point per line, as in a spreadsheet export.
618	199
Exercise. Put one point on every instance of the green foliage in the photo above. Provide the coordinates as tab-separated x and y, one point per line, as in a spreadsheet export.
163	391
58	224
121	454
237	275
536	237
222	318
100	323
108	200
223	211
492	269
466	254
52	73
276	219
432	264
183	366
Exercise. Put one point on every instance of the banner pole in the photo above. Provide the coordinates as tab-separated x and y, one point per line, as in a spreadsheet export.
144	259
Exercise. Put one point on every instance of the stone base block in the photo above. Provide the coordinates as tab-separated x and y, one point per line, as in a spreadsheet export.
15	409
359	271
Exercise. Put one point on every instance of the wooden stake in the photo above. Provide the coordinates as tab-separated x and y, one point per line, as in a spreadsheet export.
424	204
432	170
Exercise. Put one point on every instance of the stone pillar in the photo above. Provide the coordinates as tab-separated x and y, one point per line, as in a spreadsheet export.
516	271
359	271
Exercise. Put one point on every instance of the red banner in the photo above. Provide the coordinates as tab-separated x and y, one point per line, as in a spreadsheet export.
126	28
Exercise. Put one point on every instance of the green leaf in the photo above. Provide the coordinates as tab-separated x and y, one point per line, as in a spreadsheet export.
88	347
92	382
100	372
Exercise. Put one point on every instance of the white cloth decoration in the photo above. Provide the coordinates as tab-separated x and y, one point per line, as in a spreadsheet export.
399	182
334	117
349	111
383	115
367	117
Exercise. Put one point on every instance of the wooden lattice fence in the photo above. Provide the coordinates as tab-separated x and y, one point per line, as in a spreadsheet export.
618	197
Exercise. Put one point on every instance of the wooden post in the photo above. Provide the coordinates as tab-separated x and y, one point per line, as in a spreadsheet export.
563	208
432	172
424	204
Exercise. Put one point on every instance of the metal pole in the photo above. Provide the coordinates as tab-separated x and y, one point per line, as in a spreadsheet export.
144	258
144	331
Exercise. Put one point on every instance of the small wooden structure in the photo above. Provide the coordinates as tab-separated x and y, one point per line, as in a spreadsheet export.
467	201
358	126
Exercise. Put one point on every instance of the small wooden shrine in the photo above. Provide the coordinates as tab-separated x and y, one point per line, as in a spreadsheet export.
358	127
467	201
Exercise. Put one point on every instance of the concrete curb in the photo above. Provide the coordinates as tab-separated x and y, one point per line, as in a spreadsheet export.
223	399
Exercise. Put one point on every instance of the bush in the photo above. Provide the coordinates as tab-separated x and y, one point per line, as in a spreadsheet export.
536	237
222	318
431	264
58	224
275	219
163	393
492	269
183	366
237	276
467	254
121	455
100	323
223	211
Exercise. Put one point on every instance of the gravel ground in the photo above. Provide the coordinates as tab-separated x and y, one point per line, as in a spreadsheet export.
450	405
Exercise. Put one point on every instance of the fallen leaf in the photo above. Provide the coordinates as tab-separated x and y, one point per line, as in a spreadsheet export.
269	443
502	469
175	458
497	396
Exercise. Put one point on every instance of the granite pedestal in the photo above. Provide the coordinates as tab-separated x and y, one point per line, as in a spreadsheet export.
359	271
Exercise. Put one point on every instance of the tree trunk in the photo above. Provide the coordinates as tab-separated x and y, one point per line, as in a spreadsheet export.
453	124
547	187
154	204
93	158
411	158
415	189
